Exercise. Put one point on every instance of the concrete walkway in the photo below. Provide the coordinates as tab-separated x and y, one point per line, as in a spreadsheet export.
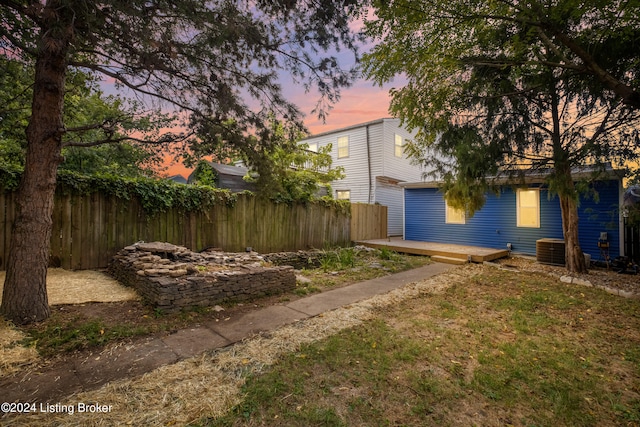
52	383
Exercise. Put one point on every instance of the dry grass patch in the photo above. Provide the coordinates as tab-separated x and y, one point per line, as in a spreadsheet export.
77	287
13	356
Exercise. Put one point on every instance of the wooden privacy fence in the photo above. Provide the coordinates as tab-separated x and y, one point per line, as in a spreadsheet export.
368	222
89	229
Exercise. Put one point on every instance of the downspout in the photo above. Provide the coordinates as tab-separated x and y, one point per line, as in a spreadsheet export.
369	163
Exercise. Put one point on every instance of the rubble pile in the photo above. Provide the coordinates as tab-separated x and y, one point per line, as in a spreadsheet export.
172	277
298	260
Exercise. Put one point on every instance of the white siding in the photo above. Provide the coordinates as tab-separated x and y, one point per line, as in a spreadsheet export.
391	197
368	162
396	167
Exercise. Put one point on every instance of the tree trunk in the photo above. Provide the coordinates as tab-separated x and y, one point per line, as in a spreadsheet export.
24	299
563	183
574	257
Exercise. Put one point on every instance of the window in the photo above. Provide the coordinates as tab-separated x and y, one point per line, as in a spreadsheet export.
528	208
343	147
313	147
343	194
398	148
454	216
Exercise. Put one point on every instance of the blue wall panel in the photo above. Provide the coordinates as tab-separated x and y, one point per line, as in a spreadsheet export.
495	224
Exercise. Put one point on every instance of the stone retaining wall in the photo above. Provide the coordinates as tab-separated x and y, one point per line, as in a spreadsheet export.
171	277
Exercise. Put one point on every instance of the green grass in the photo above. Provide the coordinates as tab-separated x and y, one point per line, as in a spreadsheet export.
501	349
78	335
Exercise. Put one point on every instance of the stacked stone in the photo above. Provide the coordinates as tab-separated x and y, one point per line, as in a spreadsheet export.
171	277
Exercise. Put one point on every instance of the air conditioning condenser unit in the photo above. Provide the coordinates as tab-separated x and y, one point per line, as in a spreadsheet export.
550	251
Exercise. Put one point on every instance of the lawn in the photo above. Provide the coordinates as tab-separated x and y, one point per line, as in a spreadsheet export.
474	346
499	348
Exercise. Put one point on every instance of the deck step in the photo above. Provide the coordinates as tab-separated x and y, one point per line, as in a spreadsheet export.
448	260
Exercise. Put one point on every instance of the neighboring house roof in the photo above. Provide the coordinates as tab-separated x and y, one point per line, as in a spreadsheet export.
178	179
229	177
229	169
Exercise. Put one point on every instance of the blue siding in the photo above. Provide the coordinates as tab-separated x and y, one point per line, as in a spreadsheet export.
495	224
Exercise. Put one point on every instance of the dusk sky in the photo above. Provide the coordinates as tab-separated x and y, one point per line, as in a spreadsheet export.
360	103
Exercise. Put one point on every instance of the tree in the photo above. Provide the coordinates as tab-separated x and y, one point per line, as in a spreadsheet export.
289	171
208	60
84	103
204	174
285	171
493	96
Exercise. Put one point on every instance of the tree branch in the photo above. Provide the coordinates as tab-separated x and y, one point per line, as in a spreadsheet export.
165	139
629	96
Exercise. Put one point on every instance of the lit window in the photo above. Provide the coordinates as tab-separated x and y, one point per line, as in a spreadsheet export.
313	147
454	216
398	146
343	194
528	208
343	147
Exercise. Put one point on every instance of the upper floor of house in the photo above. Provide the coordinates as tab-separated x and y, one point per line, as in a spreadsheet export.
370	150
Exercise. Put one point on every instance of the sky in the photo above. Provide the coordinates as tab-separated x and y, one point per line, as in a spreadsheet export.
359	103
362	102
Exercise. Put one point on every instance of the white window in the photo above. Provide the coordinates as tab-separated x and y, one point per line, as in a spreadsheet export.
313	147
343	194
454	216
343	147
528	208
398	147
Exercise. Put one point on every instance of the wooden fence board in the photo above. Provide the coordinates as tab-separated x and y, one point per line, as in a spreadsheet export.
368	222
76	232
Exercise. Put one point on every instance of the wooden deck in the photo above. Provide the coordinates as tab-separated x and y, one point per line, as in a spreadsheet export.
443	252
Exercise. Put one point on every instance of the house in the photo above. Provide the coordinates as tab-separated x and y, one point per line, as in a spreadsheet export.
227	177
374	163
518	217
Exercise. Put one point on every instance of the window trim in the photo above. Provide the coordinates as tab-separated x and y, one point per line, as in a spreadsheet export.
346	146
448	210
519	223
397	146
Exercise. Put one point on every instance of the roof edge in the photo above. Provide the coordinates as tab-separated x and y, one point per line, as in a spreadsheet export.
346	128
532	178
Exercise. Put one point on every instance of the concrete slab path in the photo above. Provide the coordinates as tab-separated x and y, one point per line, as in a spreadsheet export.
50	384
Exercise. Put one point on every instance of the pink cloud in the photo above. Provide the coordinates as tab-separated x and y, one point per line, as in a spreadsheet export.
361	103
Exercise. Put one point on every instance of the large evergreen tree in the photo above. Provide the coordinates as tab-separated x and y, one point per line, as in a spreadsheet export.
210	60
498	89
